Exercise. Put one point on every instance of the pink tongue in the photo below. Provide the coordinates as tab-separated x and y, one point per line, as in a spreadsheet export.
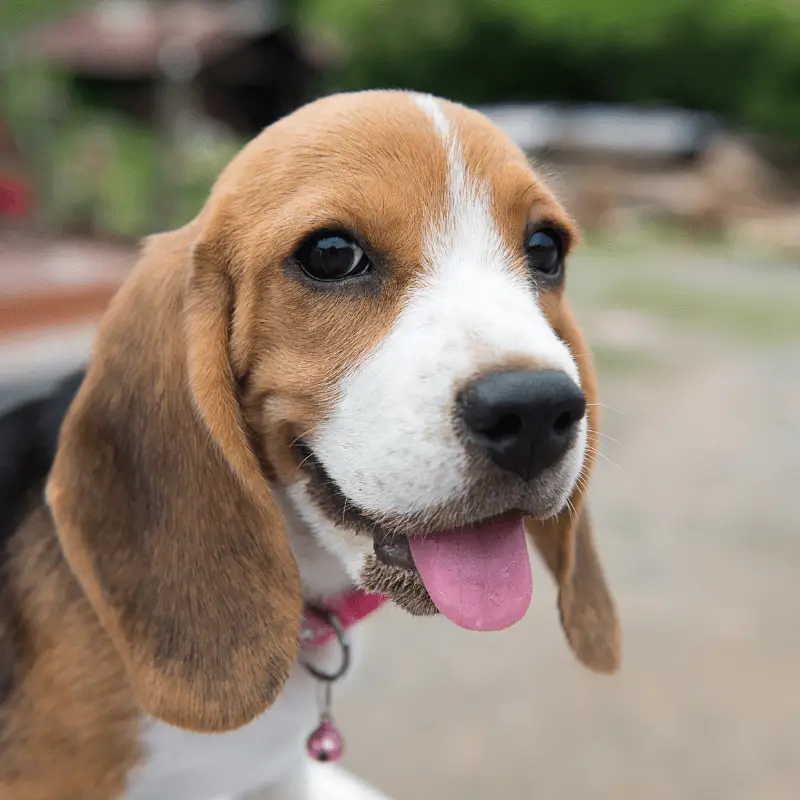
479	578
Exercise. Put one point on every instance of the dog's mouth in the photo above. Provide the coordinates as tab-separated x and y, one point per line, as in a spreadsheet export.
394	550
478	575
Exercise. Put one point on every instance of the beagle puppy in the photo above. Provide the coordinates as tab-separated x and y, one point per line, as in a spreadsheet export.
354	374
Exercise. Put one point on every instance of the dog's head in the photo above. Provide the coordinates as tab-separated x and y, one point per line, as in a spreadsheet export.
366	322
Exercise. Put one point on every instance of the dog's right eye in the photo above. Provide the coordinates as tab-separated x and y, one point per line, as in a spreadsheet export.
332	256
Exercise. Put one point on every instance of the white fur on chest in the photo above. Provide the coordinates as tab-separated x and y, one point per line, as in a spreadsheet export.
269	752
182	765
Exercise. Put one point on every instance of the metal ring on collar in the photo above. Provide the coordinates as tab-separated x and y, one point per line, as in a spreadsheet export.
341	638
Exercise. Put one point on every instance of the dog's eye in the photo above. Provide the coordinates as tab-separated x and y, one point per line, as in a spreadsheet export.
332	257
544	253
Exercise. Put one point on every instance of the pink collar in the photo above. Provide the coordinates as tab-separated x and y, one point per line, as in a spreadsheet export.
347	609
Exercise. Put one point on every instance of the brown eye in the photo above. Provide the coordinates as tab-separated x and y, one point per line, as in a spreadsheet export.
332	257
545	253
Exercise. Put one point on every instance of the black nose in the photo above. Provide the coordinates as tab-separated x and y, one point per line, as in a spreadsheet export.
523	419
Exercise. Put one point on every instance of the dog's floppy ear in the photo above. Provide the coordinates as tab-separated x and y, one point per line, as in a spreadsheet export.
161	508
566	542
587	610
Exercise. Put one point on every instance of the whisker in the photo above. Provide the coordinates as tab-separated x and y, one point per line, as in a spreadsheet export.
300	436
602	435
571	510
603	405
597	453
607	437
307	458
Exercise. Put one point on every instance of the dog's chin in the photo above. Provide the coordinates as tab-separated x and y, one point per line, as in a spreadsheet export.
401	585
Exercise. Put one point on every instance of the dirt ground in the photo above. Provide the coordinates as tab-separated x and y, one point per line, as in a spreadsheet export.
695	505
696	508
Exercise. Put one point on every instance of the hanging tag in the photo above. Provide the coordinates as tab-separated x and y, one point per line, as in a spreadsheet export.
326	743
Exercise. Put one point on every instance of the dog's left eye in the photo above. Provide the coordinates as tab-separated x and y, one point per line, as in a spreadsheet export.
332	257
545	253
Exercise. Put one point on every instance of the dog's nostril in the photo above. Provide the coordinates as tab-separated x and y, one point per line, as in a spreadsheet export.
507	426
564	422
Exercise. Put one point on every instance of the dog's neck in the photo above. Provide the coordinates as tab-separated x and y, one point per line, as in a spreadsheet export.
323	573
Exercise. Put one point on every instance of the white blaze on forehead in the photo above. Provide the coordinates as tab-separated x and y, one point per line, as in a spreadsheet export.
467	238
391	444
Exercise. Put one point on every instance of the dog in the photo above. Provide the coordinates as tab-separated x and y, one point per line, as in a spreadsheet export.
353	377
28	438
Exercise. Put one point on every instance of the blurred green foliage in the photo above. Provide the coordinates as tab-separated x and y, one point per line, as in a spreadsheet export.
103	171
17	14
739	58
108	171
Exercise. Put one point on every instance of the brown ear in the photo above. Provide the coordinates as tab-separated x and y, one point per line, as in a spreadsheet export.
587	610
161	508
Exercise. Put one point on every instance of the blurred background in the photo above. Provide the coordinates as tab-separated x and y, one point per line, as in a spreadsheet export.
671	129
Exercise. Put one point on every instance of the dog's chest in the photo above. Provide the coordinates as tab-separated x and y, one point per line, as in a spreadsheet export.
182	765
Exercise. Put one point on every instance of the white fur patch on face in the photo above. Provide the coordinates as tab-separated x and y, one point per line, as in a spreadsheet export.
391	444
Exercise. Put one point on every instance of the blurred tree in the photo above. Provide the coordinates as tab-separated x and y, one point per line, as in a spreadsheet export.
735	57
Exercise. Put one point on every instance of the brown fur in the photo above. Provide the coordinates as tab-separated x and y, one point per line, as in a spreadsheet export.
69	723
161	509
171	587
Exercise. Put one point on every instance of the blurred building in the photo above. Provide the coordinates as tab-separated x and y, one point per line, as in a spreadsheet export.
240	60
617	166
